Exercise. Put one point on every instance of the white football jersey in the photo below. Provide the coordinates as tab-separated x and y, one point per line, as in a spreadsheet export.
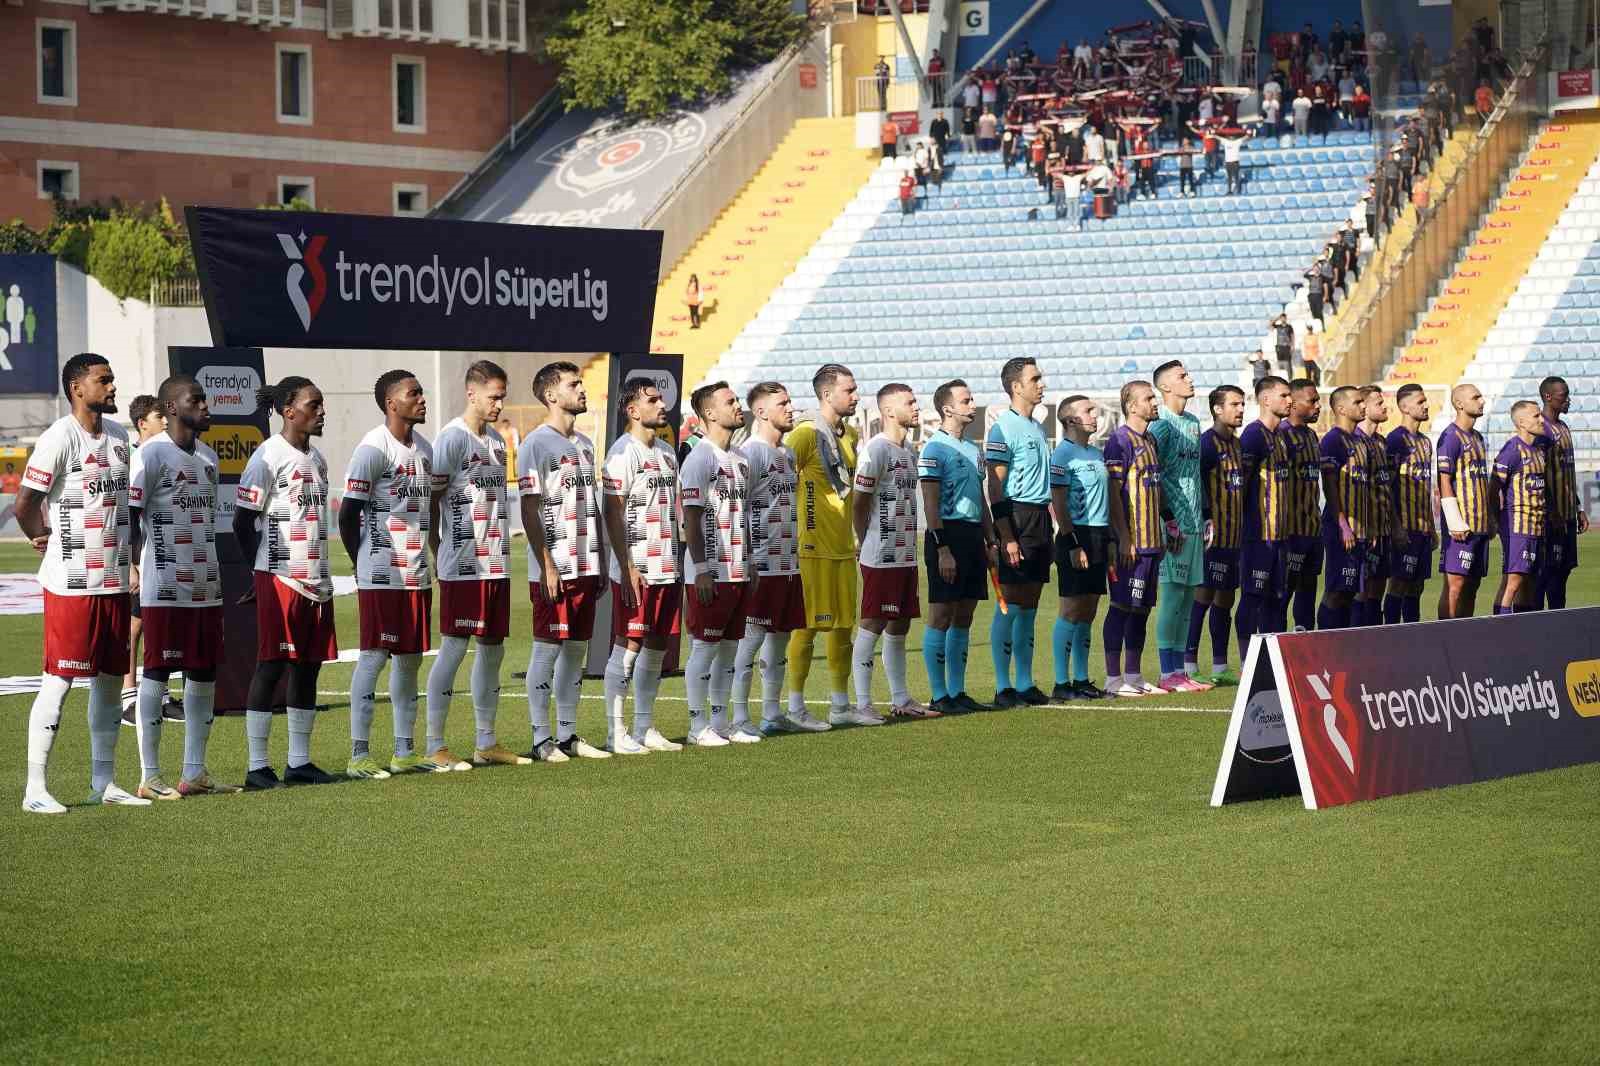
888	472
85	482
177	492
289	488
470	472
395	480
719	481
646	480
560	471
774	522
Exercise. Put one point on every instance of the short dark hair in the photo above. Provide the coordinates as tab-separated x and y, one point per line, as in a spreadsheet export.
172	388
1271	381
141	407
761	390
1011	373
1170	364
78	367
1522	405
280	396
1220	394
891	389
1127	391
386	383
1341	394
1061	408
1368	390
827	374
632	391
1296	384
549	377
1407	390
701	396
1548	385
942	394
483	371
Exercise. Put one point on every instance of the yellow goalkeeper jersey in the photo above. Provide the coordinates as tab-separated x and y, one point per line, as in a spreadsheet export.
826	531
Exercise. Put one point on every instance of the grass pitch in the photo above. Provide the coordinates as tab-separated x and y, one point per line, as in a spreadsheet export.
1033	885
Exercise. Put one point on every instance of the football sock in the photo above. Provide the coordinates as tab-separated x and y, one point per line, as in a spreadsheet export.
1080	650
147	719
646	683
774	659
403	700
567	682
1501	608
866	648
619	672
697	681
105	718
363	699
1000	649
1245	619
839	665
1115	627
1391	610
1197	626
744	671
441	686
1411	608
801	651
1133	635
1061	636
894	667
933	660
43	721
1555	592
956	643
722	682
541	669
1172	616
1523	608
486	691
1305	607
199	705
1276	615
300	720
1219	636
1022	645
257	728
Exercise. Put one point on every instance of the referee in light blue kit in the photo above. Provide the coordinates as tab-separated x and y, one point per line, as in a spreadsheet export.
1018	482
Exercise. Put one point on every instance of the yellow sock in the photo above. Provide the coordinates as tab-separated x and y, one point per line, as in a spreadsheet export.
800	655
839	641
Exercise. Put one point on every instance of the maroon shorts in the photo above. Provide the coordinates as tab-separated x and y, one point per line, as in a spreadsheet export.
657	615
889	593
182	638
479	609
779	605
722	618
395	620
86	635
291	626
571	616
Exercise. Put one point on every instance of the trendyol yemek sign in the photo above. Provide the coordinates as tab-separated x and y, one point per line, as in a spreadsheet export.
1355	714
309	280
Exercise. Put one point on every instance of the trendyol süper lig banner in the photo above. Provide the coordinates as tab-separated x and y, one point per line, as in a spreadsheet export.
311	280
1355	714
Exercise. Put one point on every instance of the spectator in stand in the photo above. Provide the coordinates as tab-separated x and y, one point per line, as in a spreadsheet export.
1317	66
990	92
1302	113
908	193
1338	44
1094	146
691	297
1419	60
1027	55
1361	108
1008	150
1350	241
1283	344
1347	96
1272	112
1205	108
1316	292
1306	41
880	71
921	166
1186	186
971	95
1321	108
890	134
936	78
1146	171
1329	279
1357	45
1232	147
1311	353
1282	52
1082	60
1258	364
969	130
988	128
939	130
1483	101
935	164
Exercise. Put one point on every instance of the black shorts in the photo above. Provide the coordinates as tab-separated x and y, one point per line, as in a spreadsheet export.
972	564
1035	533
1091	581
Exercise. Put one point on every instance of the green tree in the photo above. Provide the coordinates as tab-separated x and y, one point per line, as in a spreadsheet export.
127	252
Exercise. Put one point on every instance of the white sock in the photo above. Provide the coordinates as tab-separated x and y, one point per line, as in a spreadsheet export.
199	710
861	656
1113	681
403	700
1191	667
300	721
441	685
147	724
541	668
774	661
697	680
43	721
257	728
619	672
722	683
363	700
894	665
105	719
646	682
486	691
797	703
568	684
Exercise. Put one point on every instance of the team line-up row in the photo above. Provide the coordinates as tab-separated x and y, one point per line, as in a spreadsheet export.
771	536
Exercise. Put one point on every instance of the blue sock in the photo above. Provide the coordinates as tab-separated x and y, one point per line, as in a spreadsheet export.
1080	650
1022	645
933	659
1000	649
956	642
1061	636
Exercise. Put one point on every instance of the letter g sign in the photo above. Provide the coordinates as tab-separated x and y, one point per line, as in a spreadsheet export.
975	18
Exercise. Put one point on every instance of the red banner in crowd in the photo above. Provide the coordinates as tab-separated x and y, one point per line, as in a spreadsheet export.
1354	714
1571	83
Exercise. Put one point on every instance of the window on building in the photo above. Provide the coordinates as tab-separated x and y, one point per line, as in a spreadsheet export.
294	84
58	62
292	189
58	179
410	201
410	95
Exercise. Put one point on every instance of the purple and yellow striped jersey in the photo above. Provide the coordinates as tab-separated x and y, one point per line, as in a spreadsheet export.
1268	472
1562	472
1411	461
1519	479
1382	485
1134	471
1347	457
1222	477
1462	456
1306	485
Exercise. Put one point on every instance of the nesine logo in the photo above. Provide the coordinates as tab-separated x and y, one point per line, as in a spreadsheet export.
1330	718
311	258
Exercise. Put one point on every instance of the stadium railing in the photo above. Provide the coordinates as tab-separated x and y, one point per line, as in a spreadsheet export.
901	93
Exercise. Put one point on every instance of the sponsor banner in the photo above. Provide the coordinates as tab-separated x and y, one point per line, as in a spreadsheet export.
1571	83
808	75
28	357
908	121
1386	710
310	280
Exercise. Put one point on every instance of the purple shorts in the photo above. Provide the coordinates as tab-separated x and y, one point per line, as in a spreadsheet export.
1376	566
1264	569
1465	558
1561	548
1135	587
1344	567
1520	554
1413	562
1305	557
1222	568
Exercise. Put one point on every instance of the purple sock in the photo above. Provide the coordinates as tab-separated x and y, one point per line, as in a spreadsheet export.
1305	608
1275	616
1501	608
1133	641
1411	609
1359	612
1555	592
1197	624
1219	635
1391	610
1328	617
1245	618
1111	637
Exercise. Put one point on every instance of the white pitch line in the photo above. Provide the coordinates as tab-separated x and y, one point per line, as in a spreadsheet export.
1098	705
